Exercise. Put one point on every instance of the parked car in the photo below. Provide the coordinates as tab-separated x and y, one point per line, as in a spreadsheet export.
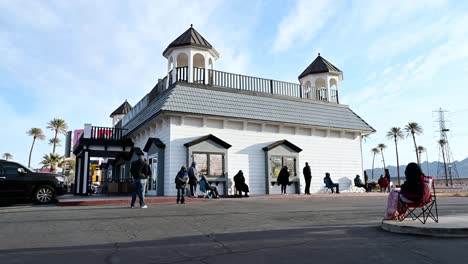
17	181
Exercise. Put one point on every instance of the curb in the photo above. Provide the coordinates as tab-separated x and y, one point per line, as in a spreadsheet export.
423	230
124	201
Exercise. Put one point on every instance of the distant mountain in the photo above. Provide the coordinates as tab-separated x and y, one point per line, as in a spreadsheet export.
435	169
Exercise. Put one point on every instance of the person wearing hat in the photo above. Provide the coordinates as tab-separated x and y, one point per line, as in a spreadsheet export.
181	182
140	172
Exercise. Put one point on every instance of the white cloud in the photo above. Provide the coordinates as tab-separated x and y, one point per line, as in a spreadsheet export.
97	54
373	14
33	14
303	23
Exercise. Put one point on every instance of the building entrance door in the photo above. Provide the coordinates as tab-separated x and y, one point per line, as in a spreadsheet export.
152	181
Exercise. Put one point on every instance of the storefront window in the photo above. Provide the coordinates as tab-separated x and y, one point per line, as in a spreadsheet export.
277	162
210	164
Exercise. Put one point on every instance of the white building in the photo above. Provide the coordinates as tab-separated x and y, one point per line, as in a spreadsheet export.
229	122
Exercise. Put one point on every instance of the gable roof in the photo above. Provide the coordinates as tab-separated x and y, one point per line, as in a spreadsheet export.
282	142
190	37
208	137
319	65
135	151
223	102
153	141
122	109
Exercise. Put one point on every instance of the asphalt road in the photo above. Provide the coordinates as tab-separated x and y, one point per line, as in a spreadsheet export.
253	230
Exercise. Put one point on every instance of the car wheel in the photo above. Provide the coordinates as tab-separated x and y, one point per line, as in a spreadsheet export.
44	194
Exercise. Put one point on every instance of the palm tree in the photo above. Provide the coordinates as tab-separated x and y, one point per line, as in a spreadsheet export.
59	126
36	133
395	133
420	149
375	151
7	156
413	128
54	141
382	146
52	161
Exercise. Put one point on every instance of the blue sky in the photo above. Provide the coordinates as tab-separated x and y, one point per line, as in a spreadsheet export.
79	60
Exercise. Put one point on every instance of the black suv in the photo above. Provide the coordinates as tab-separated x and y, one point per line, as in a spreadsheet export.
17	181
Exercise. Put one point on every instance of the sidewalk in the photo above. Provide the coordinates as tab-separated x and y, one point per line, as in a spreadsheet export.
99	199
448	226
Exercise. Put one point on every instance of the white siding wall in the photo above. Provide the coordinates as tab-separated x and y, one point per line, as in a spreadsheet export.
335	152
158	129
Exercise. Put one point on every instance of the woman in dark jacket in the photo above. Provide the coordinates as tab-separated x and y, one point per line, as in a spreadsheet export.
240	185
181	182
412	189
283	179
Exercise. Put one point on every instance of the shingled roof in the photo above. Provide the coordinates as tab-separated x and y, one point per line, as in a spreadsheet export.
122	109
319	65
190	37
221	102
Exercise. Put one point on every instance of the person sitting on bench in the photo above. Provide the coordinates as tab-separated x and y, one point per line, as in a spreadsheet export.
358	182
209	187
329	183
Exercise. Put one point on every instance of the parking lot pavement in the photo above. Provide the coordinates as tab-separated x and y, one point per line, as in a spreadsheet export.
342	229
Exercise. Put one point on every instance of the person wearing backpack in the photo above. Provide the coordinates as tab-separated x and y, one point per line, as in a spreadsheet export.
140	171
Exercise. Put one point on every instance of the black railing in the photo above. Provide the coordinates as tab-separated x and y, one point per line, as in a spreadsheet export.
158	89
253	84
199	75
182	74
106	133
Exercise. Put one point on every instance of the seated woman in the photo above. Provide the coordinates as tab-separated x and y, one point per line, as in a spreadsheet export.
240	184
208	186
383	183
412	188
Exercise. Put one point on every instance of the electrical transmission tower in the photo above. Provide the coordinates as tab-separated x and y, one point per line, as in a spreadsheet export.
447	168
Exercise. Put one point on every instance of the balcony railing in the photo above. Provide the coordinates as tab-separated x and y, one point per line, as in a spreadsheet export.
254	84
233	81
111	133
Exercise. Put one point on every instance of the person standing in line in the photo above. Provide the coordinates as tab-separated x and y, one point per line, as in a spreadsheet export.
140	171
181	182
283	179
307	178
193	178
366	181
387	176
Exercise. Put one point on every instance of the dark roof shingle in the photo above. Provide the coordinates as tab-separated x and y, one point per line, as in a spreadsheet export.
122	109
319	65
185	98
190	37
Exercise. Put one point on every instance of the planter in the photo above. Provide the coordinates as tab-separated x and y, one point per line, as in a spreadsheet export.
113	187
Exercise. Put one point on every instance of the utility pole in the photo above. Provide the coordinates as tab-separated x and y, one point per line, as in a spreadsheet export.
444	149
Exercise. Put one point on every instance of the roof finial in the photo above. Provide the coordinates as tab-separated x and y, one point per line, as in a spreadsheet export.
319	53
191	25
